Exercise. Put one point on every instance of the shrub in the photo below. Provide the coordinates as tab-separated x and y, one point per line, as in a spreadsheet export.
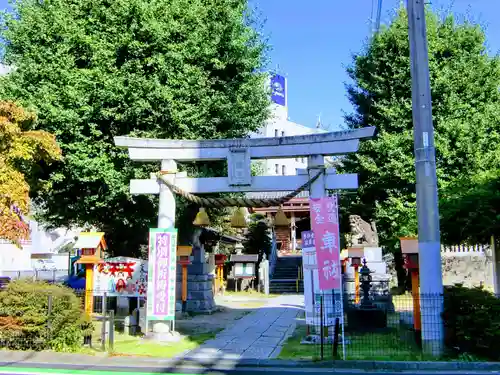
472	322
25	321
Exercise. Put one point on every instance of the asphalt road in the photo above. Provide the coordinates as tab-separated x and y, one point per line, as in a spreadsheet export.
9	370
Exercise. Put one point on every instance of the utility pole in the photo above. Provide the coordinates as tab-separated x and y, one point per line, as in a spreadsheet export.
431	281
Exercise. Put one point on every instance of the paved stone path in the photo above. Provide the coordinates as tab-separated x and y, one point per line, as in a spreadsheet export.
258	335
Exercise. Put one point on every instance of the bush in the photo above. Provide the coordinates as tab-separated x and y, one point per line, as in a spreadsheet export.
472	322
25	321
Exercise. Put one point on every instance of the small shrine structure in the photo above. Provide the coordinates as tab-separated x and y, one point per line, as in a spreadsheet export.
92	246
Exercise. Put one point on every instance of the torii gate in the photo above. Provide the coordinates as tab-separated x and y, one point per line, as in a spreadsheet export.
238	153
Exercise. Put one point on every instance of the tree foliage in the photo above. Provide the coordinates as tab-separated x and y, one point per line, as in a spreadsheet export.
470	317
466	116
470	208
98	69
257	238
21	152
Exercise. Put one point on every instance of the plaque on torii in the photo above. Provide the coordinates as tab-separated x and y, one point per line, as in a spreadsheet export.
238	153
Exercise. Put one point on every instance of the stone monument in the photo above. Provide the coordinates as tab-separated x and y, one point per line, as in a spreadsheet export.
200	296
364	235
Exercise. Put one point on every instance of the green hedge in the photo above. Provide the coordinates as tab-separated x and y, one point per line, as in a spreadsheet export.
25	322
472	322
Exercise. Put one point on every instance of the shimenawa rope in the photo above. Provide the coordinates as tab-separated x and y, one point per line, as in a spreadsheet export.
238	202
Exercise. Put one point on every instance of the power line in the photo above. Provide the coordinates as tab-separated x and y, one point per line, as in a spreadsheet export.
379	14
371	17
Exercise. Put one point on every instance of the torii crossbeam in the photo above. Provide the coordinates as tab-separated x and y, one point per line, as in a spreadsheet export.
238	153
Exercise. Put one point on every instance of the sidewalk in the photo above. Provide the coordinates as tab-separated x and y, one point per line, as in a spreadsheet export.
259	335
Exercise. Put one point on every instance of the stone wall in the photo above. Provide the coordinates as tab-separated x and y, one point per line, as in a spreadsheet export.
469	270
200	298
470	266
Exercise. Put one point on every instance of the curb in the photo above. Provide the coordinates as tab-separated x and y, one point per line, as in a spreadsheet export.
374	365
134	364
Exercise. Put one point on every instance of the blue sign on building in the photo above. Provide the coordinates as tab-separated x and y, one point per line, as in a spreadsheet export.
278	93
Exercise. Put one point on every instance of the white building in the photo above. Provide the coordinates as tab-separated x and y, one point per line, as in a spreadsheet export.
279	126
43	244
4	69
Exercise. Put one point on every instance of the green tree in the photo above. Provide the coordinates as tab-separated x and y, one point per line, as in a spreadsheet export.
470	209
148	68
464	82
21	152
257	238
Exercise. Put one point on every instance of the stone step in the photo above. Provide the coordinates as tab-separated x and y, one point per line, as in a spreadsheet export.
285	276
286	287
287	291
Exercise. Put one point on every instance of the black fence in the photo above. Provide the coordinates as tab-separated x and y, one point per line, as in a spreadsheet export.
377	326
382	327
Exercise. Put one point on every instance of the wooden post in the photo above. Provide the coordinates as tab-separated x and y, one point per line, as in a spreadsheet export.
356	284
111	330
417	322
220	278
104	321
217	279
184	283
89	289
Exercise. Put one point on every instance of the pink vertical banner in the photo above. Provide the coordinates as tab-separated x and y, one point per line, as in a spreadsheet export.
325	225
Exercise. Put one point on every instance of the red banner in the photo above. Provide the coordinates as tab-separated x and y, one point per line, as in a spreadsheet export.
325	225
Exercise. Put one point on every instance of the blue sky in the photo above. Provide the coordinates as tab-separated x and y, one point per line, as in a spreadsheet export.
312	42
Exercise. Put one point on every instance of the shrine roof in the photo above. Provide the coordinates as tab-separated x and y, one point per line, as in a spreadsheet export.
225	237
90	240
244	258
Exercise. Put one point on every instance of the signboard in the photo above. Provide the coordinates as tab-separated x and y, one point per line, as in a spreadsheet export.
332	301
325	225
121	277
161	274
244	270
278	90
311	284
308	251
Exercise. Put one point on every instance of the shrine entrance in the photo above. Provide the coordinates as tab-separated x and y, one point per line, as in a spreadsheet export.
296	210
317	180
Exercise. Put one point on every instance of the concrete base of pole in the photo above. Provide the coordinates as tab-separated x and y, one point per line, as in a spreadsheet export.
431	307
431	298
433	348
163	333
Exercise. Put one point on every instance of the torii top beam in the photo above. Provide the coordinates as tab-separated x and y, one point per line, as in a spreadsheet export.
326	144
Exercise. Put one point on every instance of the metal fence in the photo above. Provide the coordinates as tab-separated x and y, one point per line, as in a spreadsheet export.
36	332
53	276
378	326
384	327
